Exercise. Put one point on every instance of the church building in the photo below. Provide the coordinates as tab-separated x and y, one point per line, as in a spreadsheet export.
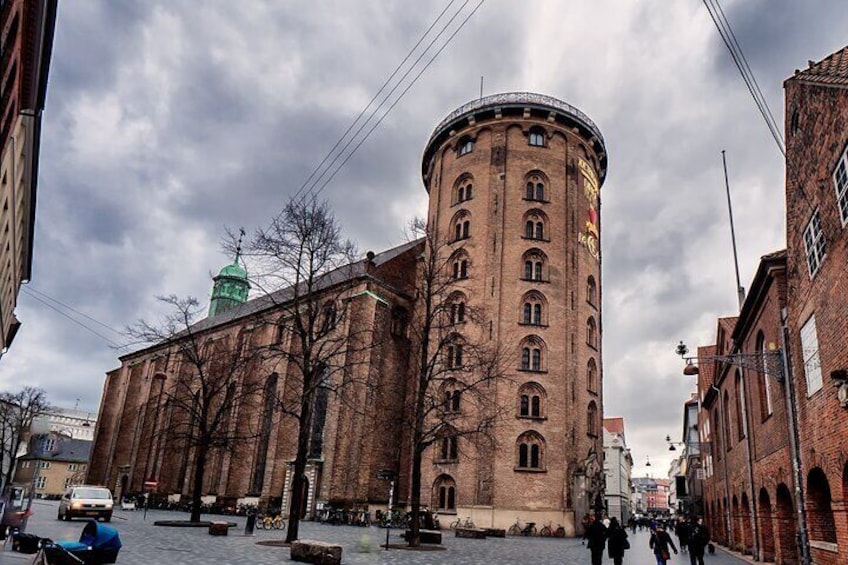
514	185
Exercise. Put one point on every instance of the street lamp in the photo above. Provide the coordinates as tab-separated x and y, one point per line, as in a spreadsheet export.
768	362
671	444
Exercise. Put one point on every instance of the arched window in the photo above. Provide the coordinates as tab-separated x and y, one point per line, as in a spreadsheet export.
444	493
531	401
328	317
454	360
717	434
269	399
449	445
534	224
592	376
530	451
535	266
451	396
592	419
457	308
534	188
319	415
740	405
727	428
537	137
533	309
461	225
460	265
466	145
463	188
400	319
591	333
766	404
532	358
591	291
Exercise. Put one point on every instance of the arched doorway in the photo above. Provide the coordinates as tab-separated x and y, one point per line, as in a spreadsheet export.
820	514
787	546
736	521
747	530
766	528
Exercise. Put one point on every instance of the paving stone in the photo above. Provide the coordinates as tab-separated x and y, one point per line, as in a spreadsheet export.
146	543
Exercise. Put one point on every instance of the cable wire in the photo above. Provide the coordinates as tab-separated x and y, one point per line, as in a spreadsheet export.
63	305
74	320
402	94
385	84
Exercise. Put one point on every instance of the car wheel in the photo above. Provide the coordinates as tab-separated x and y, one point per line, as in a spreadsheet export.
58	515
107	518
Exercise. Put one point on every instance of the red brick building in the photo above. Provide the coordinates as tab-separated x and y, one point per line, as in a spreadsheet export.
514	183
748	478
817	244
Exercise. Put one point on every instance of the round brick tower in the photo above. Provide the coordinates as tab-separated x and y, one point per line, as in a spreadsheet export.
514	182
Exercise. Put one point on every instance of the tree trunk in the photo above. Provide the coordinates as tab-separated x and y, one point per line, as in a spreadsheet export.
197	488
299	469
14	440
415	499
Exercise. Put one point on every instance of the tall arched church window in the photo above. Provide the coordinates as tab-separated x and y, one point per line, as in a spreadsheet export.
530	451
319	415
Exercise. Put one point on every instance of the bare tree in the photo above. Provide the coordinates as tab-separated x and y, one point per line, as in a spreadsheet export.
307	269
213	380
456	365
17	412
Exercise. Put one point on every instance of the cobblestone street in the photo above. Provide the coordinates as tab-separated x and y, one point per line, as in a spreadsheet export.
145	543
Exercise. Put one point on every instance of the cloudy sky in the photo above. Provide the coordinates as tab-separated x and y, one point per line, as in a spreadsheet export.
168	121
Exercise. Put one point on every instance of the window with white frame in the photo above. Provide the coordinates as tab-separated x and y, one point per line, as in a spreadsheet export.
40	481
840	183
67	482
814	244
810	351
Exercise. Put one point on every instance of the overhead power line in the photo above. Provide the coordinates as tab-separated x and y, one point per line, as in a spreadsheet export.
729	38
28	292
348	143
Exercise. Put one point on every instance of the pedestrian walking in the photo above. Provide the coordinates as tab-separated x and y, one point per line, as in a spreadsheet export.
596	539
661	543
681	530
699	538
617	542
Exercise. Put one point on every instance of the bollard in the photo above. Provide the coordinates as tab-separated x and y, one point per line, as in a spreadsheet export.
250	524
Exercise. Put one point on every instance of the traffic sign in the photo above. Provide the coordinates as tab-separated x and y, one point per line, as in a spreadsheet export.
149	484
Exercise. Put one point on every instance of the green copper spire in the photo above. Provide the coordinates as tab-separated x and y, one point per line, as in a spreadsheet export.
231	286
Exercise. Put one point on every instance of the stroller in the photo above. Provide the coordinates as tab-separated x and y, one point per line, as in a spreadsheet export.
98	544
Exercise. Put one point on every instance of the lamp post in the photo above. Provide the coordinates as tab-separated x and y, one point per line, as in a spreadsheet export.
770	362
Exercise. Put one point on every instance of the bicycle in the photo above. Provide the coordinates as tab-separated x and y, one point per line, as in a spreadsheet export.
516	528
530	530
547	530
468	524
559	532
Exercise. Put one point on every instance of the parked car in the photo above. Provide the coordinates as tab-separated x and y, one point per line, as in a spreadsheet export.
86	501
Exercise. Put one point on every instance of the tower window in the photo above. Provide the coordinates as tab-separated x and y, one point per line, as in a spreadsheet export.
591	333
464	192
466	146
537	137
591	291
530	447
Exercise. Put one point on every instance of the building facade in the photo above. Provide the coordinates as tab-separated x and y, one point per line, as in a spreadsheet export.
53	463
26	42
618	464
514	186
817	249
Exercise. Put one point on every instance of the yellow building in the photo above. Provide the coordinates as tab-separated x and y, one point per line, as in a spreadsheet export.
54	463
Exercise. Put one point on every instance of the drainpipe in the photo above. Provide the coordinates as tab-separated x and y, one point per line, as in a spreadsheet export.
789	388
728	523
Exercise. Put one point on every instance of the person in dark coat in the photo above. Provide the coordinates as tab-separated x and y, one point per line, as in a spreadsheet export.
660	543
681	530
699	537
618	543
596	538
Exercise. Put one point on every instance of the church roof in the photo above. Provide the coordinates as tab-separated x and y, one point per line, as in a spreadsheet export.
832	70
269	301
